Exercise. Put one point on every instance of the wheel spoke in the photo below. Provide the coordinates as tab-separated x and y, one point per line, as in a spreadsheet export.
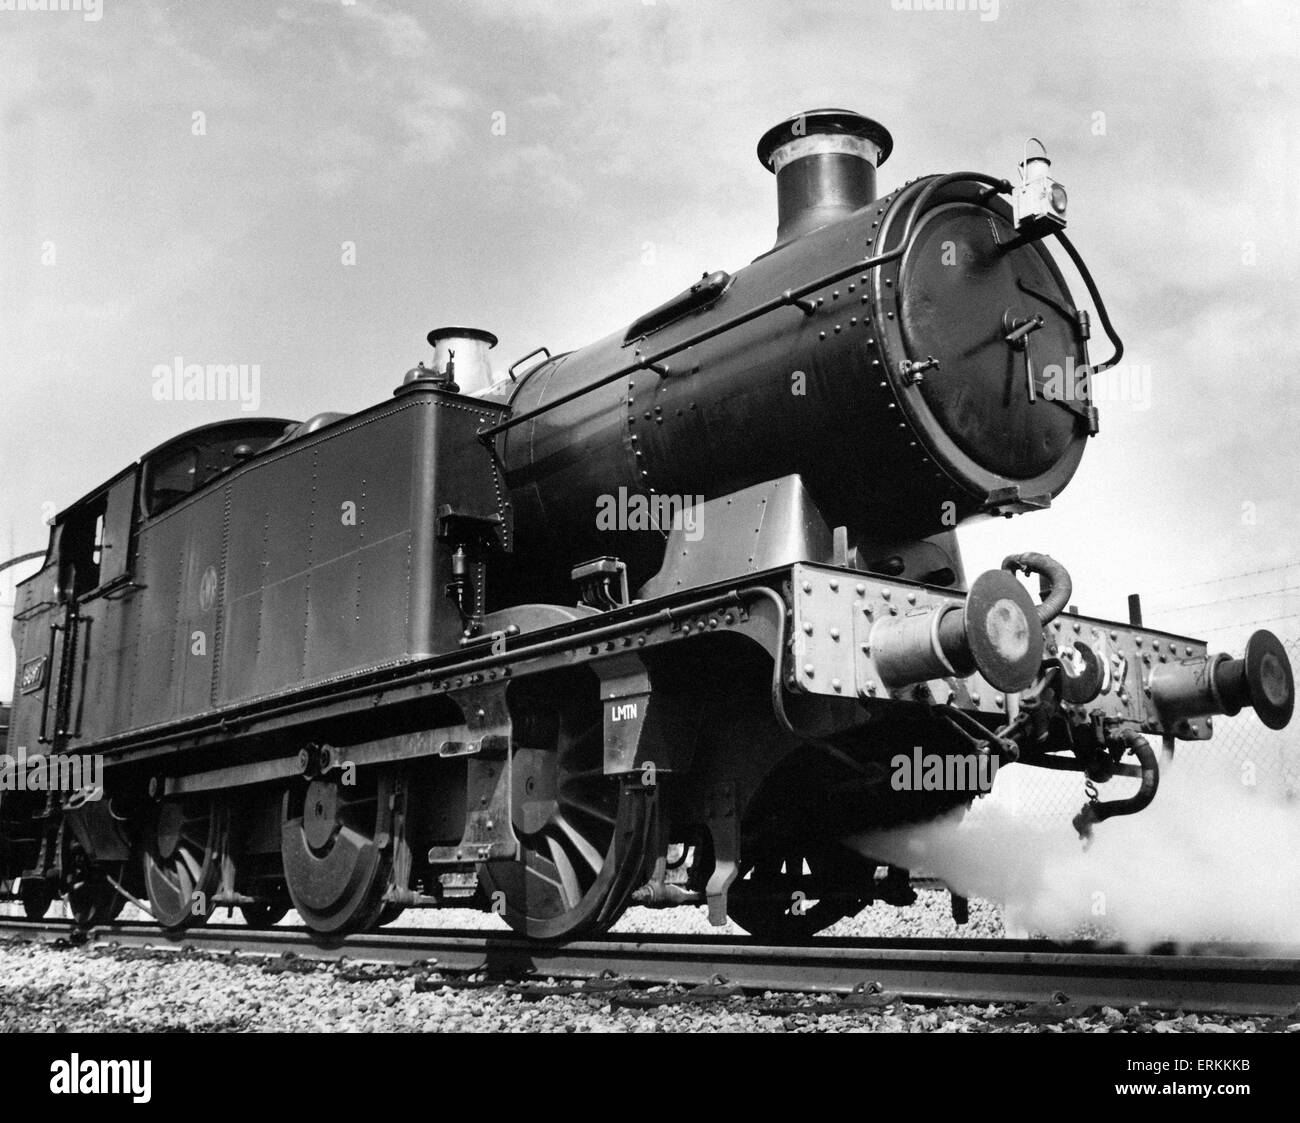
572	893
193	866
591	809
197	842
169	875
576	775
589	853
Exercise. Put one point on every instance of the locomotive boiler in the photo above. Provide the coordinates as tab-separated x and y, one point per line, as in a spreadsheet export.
650	621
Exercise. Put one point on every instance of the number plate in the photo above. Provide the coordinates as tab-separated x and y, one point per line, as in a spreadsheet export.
33	676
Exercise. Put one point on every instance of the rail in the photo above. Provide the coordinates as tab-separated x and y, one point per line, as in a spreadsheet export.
1217	979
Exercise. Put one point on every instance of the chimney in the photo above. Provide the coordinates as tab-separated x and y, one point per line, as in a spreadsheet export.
825	163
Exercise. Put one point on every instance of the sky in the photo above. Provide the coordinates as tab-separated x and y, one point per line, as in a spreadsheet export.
309	187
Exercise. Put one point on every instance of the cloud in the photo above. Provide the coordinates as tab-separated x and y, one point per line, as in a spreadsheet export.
110	310
545	171
433	124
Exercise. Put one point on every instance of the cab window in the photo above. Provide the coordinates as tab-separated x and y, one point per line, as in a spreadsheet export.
172	479
175	474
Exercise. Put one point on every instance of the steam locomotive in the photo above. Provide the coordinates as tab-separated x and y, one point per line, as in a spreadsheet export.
649	621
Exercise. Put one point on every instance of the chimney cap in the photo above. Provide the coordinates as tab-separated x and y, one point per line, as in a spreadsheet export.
814	121
462	333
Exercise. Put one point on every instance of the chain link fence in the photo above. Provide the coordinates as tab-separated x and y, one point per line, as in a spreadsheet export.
1264	759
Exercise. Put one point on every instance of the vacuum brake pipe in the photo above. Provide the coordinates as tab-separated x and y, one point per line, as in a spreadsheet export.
1094	811
1055	585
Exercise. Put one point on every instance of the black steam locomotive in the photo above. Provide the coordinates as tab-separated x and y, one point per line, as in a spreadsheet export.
650	621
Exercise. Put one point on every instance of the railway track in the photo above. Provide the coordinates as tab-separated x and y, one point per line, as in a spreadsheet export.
869	972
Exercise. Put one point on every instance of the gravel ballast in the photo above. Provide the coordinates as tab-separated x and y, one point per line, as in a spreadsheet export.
57	989
46	988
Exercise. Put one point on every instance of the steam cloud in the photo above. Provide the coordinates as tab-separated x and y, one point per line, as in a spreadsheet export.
1210	859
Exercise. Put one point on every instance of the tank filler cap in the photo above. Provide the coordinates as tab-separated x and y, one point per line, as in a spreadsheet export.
425	377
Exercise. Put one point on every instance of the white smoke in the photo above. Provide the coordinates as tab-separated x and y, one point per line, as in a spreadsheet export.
1210	859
